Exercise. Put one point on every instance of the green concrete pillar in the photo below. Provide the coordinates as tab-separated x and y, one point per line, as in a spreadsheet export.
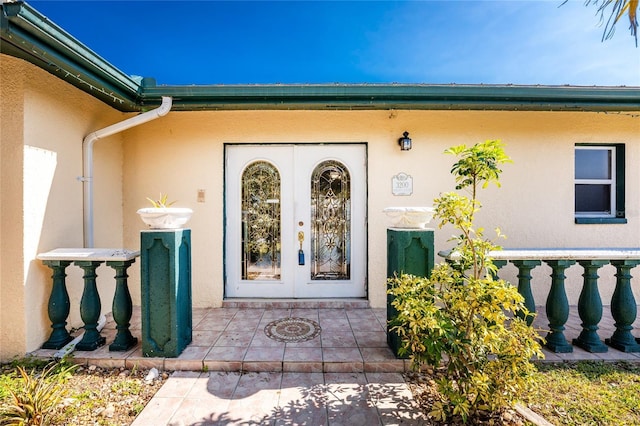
165	269
558	307
122	307
409	251
590	308
623	308
59	305
90	307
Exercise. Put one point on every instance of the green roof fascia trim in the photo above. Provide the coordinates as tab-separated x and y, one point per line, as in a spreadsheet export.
395	96
29	35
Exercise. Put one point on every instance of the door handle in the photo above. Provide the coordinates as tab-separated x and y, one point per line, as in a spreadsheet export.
300	252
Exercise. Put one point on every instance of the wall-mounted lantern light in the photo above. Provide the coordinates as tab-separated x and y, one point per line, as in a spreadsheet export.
405	142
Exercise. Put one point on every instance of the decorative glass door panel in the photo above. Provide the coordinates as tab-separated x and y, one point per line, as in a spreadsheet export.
331	221
295	221
261	222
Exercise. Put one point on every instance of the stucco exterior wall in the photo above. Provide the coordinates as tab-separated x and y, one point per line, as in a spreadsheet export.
44	122
183	153
12	318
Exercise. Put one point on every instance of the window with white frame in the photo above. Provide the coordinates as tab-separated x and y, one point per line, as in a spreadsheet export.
599	183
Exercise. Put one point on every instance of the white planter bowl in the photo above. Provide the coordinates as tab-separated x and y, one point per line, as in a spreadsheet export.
165	218
409	217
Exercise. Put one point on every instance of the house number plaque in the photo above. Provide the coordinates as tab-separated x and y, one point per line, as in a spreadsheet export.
402	184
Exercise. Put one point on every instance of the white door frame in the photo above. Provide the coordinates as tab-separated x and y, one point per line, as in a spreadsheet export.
300	159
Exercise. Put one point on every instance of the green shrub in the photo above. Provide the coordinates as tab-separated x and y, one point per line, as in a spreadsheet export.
462	319
36	394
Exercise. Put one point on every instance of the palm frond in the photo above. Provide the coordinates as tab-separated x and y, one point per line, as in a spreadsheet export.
618	9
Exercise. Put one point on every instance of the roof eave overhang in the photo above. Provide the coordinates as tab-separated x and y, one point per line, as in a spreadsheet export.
27	34
396	96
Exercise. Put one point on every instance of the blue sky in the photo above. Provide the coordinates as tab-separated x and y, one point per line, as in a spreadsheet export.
439	42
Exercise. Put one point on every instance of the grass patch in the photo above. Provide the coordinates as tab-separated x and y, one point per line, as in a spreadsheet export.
9	375
88	395
32	396
588	393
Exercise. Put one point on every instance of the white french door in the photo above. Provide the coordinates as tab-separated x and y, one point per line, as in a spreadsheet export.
295	221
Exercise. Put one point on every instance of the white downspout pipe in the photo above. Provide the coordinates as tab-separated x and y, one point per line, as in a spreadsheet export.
87	159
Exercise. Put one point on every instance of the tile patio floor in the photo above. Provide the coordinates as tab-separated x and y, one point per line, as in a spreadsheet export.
233	374
352	340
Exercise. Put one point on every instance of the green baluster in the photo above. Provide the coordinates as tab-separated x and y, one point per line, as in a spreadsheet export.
499	264
623	308
58	308
524	285
90	307
558	307
590	308
122	308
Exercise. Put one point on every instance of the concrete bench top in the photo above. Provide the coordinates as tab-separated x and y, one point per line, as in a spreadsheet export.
560	254
90	254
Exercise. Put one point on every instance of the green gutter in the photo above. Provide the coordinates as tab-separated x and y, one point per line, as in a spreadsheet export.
396	96
29	35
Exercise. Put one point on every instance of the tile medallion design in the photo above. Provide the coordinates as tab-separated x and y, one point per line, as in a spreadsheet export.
292	330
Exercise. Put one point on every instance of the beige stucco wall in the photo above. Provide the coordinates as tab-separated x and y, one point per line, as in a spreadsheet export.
183	152
43	123
12	324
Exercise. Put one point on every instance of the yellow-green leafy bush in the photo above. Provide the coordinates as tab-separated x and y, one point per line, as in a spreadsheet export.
462	320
